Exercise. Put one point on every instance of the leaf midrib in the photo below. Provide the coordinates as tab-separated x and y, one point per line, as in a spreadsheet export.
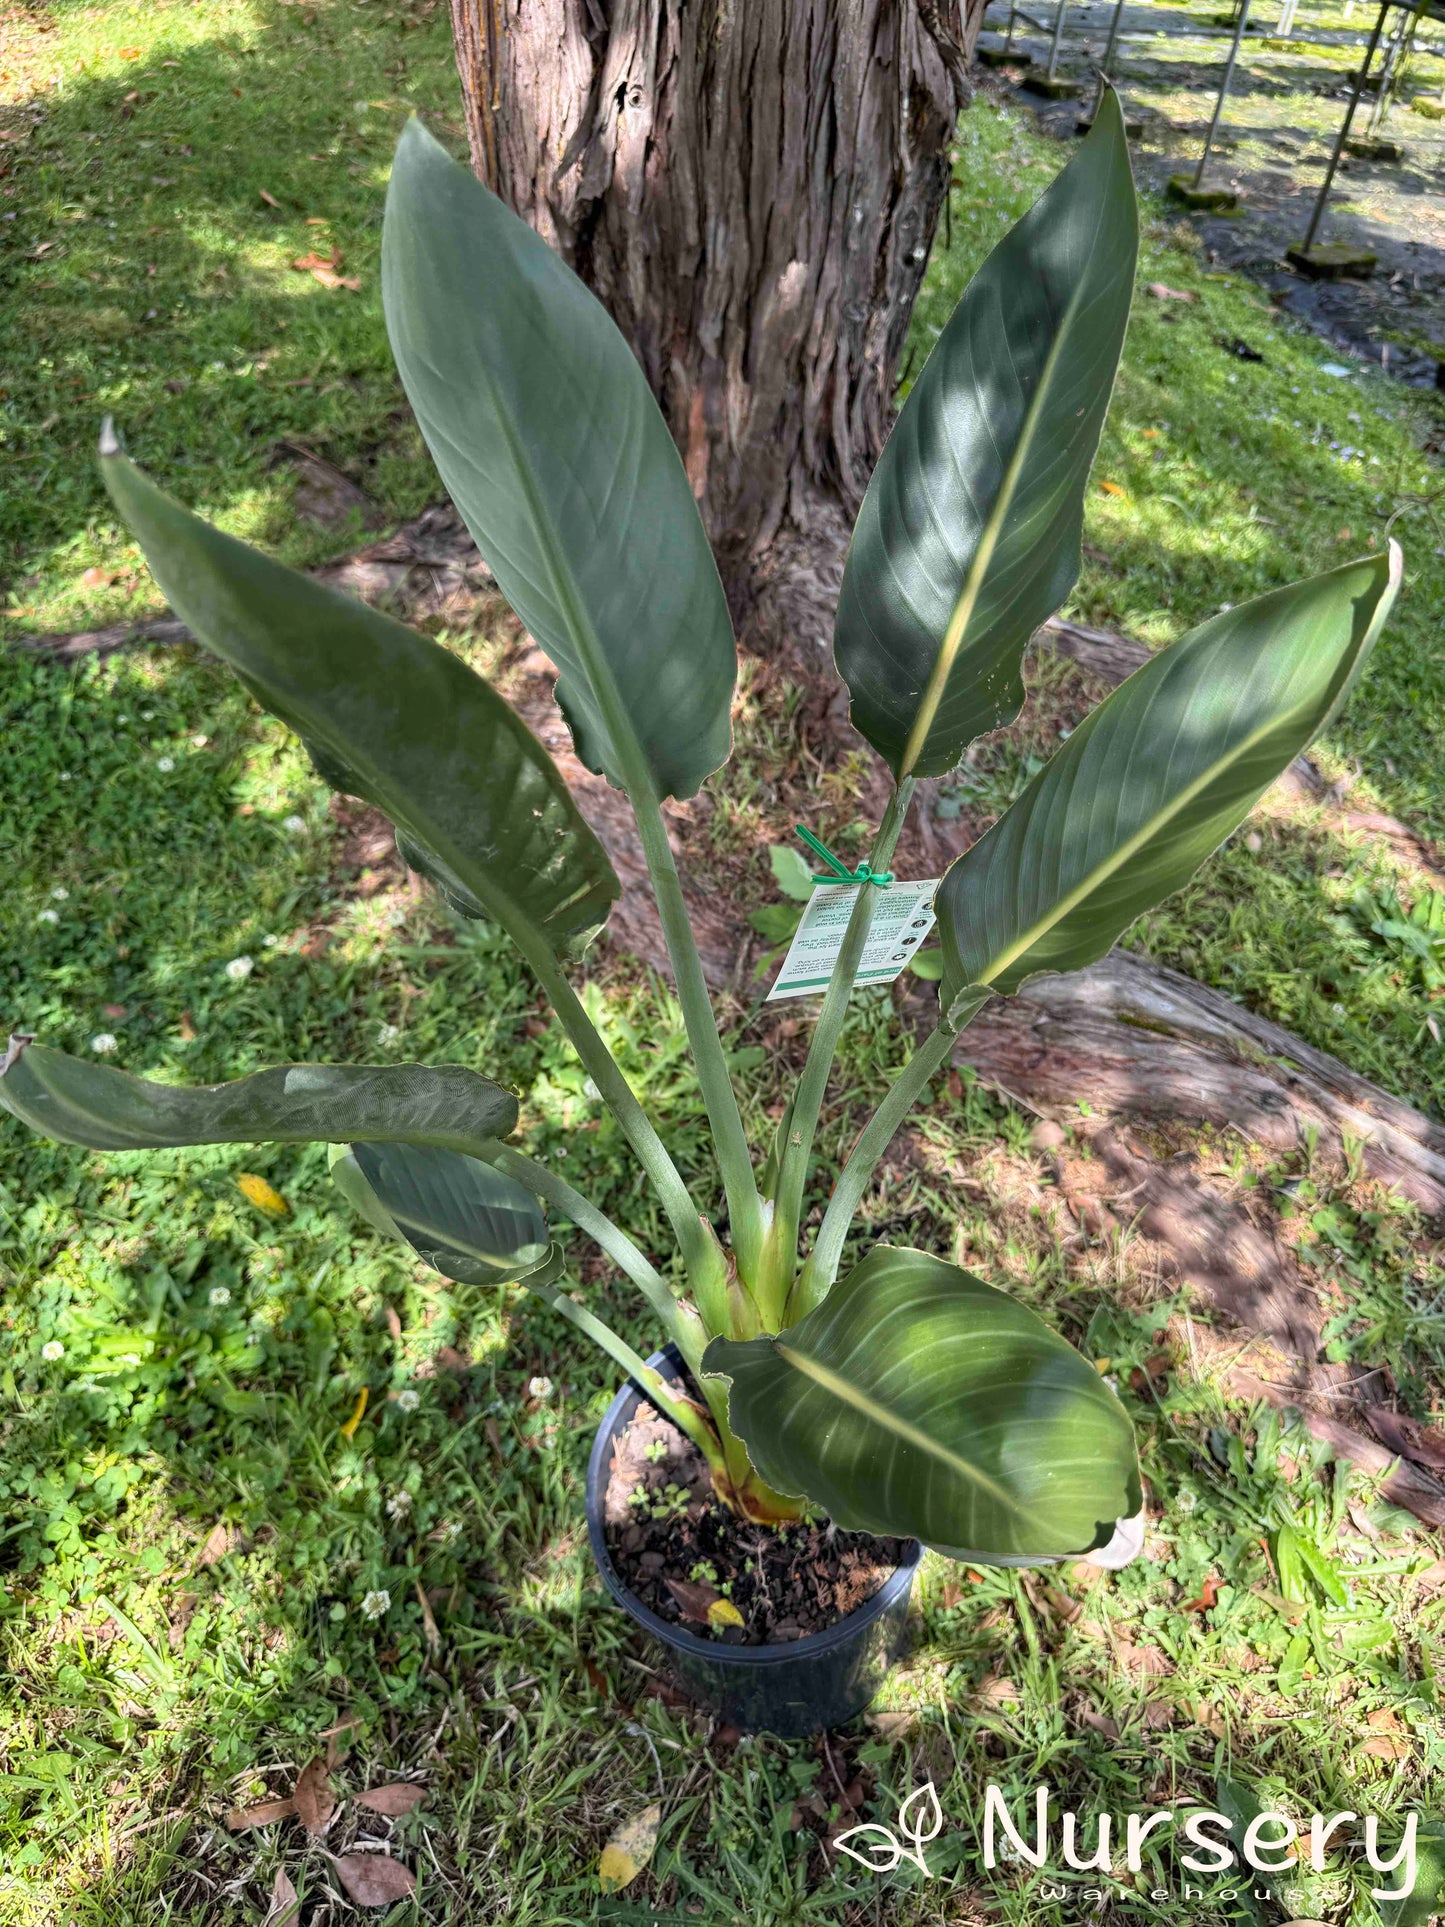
850	1394
962	615
1125	850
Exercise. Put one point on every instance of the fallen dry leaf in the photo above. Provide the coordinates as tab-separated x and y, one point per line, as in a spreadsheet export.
397	1798
358	1412
1161	292
218	1544
994	1691
284	1902
315	1802
130	53
629	1850
1208	1596
698	1602
1112	488
1099	1723
374	1879
269	199
428	1621
1144	1662
1433	1577
264	1814
1387	1746
263	1195
892	1725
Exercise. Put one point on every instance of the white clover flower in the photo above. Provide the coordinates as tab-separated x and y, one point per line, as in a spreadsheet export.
295	826
220	1295
147	715
66	777
396	918
59	893
104	1042
1185	1499
199	742
240	968
51	1350
377	1604
399	1504
408	1400
388	1033
48	916
539	1388
165	764
270	942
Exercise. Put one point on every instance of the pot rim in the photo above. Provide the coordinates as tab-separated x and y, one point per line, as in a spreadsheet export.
773	1653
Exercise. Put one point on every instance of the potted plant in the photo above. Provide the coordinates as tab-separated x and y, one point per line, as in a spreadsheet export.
823	1418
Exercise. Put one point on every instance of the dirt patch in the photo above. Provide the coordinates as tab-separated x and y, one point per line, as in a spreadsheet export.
679	1549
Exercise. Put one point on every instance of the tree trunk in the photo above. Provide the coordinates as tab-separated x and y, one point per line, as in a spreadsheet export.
751	188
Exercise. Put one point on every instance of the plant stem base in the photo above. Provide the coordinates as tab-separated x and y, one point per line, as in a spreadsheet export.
1207	199
1331	261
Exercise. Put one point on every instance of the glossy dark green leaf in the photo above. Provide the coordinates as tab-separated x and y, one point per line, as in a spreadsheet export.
387	715
82	1102
968	536
553	449
465	1218
1156	777
918	1400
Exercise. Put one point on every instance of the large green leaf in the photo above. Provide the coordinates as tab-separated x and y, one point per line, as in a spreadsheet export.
549	440
1156	778
388	715
917	1400
969	533
107	1109
465	1218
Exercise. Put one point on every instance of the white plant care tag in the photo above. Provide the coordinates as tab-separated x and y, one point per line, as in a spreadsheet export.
902	918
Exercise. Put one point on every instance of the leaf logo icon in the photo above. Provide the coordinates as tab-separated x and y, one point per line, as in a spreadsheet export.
920	1819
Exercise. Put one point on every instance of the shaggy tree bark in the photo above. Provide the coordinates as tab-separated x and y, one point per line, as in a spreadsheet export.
751	188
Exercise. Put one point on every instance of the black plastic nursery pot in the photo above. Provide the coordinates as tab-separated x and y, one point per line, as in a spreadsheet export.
798	1687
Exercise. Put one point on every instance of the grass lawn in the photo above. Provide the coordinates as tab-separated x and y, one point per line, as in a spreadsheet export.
193	1526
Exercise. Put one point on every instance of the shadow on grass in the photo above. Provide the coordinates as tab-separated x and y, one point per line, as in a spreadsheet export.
160	203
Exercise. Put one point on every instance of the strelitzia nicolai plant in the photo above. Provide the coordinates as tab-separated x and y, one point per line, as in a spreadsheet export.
906	1397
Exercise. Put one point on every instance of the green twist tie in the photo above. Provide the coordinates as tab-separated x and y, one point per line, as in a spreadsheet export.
839	872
